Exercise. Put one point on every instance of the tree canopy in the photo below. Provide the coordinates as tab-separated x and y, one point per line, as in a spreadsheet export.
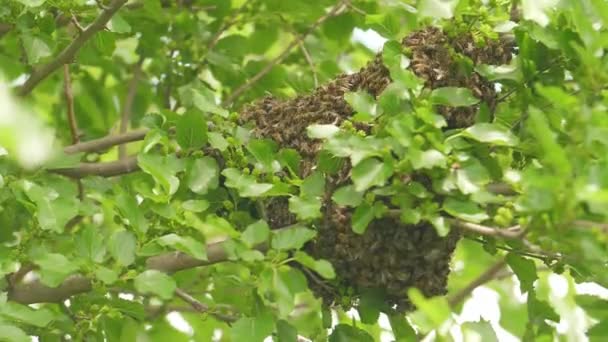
239	170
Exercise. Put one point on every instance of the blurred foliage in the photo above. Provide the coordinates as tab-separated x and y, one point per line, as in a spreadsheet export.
546	140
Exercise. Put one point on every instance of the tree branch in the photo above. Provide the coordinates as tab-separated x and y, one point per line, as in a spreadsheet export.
106	142
69	99
233	18
127	107
240	90
106	169
36	292
483	278
67	55
201	307
514	232
4	28
591	224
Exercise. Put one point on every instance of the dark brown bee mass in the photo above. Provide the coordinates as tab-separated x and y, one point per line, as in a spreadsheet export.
390	255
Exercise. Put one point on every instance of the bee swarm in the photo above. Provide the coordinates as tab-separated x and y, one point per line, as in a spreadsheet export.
390	255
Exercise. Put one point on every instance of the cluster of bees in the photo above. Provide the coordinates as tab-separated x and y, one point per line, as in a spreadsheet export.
390	255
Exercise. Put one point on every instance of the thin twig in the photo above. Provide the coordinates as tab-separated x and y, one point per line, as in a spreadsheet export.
68	54
240	90
69	98
591	224
201	307
514	232
233	18
127	106
75	22
536	253
310	62
483	278
355	8
195	303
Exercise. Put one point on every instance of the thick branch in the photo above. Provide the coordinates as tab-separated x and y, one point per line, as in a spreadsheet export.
107	169
36	292
104	143
67	55
240	90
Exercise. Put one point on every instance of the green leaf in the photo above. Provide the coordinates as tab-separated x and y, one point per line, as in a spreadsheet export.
435	310
203	175
402	328
32	3
313	185
427	159
291	238
536	10
122	245
347	196
476	330
491	133
290	158
552	153
55	209
598	332
191	130
246	185
254	329
441	225
465	210
286	332
184	244
90	245
162	169
155	282
439	9
539	310
371	303
348	333
454	97
524	269
118	24
263	151
54	268
35	48
322	267
305	208
594	306
106	275
256	233
24	314
129	209
217	141
363	215
363	104
203	99
370	172
196	206
11	333
319	131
